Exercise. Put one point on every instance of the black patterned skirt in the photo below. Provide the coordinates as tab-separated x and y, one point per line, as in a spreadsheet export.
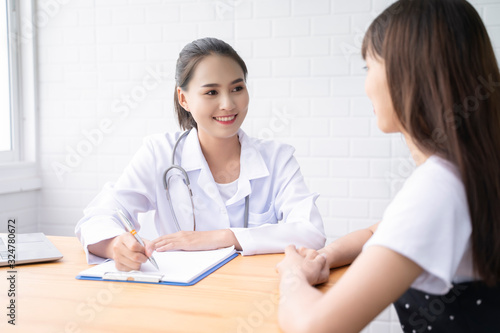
467	307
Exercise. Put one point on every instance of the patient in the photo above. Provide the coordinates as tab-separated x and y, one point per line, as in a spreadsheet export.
432	76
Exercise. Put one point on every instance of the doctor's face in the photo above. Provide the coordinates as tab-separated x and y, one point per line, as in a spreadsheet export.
216	97
377	90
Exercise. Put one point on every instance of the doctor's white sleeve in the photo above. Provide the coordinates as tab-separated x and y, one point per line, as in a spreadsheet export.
300	222
133	193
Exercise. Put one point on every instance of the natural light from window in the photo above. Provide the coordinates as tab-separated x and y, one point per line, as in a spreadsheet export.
5	110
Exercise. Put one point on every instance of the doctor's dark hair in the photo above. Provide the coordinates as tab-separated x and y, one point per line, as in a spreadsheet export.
444	83
188	59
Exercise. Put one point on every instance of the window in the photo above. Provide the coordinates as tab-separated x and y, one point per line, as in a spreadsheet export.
9	81
6	143
18	98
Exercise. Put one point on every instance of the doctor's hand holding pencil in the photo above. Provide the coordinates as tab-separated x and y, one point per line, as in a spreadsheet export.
125	250
128	250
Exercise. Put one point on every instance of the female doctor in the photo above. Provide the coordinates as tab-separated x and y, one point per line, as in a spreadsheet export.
211	186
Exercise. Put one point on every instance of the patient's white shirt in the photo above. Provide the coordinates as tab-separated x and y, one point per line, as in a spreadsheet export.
428	222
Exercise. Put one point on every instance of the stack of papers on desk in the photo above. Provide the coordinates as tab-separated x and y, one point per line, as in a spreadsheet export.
176	268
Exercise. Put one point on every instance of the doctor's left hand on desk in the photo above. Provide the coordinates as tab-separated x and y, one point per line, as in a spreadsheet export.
194	241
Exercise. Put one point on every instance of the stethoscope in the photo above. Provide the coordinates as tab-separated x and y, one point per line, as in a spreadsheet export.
187	183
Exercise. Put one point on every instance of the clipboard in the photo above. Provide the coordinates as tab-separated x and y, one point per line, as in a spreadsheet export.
177	268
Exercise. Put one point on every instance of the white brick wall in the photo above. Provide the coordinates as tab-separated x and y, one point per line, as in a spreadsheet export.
22	207
303	59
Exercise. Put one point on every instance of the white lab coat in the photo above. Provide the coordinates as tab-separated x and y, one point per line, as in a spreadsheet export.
282	209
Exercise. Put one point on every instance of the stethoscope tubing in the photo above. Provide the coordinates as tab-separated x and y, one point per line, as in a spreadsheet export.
187	182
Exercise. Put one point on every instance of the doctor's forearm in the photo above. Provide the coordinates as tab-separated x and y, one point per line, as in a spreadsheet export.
103	249
229	239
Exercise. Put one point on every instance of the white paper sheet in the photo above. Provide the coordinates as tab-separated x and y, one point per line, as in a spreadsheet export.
175	266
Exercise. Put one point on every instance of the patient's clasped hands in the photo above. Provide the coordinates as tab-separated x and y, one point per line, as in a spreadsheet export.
305	264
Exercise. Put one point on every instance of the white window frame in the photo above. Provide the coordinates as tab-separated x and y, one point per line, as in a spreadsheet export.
19	171
11	155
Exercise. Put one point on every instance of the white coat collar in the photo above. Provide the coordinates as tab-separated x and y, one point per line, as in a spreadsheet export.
191	156
252	164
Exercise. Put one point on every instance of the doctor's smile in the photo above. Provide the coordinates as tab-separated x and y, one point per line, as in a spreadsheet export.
226	120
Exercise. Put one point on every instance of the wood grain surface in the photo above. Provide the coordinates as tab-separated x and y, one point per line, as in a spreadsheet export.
242	296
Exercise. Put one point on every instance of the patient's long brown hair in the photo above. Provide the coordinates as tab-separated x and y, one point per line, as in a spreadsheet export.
444	83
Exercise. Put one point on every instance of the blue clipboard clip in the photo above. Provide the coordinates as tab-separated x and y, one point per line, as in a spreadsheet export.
133	276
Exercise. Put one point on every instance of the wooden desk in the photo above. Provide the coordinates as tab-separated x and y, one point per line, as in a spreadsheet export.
241	296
